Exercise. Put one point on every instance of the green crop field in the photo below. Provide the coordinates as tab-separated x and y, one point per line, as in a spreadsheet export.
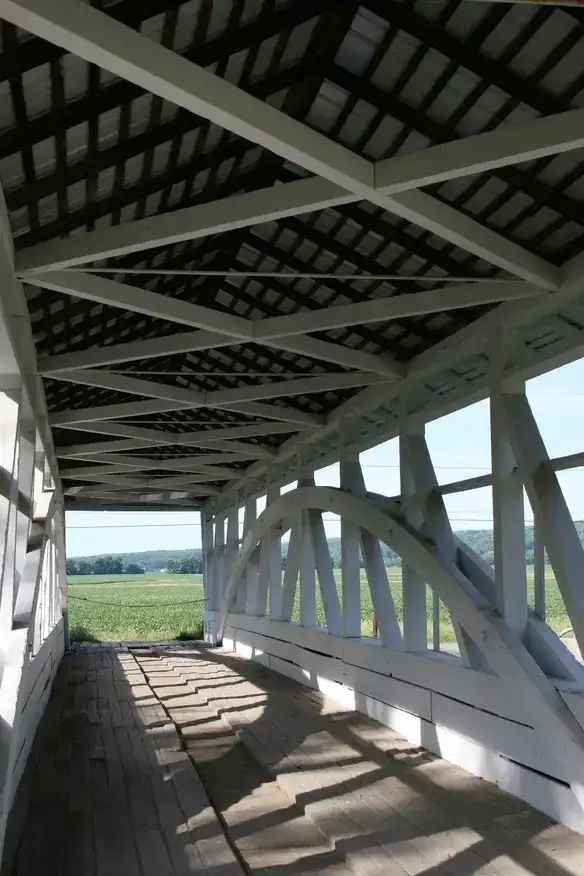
161	606
114	608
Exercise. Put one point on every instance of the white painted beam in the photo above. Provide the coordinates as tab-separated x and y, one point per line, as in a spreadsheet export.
207	439
219	556
450	224
133	479
539	601
229	446
236	328
112	412
256	207
431	518
189	342
230	398
115	354
101	450
275	332
227	214
101	40
176	498
350	558
307	573
82	472
97	38
507	493
137	409
306	565
231	552
549	506
285	388
133	386
415	633
178	463
274	558
209	571
326	577
291	572
507	145
91	287
379	587
452	352
337	354
186	463
278	413
218	440
450	297
534	693
252	572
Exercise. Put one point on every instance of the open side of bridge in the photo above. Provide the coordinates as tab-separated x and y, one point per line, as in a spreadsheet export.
242	241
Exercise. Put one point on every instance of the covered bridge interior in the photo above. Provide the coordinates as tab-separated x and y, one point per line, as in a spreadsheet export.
242	240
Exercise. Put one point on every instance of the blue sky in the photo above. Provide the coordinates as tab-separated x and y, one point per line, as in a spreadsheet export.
460	448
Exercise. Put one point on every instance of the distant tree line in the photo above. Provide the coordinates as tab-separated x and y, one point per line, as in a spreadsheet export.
189	565
190	562
149	561
103	566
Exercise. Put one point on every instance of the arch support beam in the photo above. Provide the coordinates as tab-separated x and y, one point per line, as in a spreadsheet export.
504	652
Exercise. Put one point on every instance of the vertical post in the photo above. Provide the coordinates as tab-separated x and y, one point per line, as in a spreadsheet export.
207	552
219	559
9	415
385	624
61	552
270	571
435	523
414	587
538	572
25	488
250	595
307	574
508	510
291	572
326	575
210	595
435	623
550	509
306	563
231	551
274	561
350	558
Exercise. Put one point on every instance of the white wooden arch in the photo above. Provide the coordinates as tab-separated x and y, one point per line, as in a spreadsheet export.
503	650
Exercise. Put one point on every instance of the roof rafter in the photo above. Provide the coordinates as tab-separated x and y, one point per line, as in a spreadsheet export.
272	331
204	438
36	51
153	483
217	324
209	439
174	498
235	399
99	39
186	464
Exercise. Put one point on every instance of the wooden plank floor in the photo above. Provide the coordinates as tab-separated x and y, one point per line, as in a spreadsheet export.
138	744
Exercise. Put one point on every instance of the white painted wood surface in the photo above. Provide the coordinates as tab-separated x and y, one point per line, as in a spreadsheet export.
485	743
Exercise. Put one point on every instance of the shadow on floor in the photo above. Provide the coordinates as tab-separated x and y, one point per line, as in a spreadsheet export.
110	787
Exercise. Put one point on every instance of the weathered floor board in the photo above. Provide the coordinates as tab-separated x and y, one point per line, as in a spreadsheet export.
298	784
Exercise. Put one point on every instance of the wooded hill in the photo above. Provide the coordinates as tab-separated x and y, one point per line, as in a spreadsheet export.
190	561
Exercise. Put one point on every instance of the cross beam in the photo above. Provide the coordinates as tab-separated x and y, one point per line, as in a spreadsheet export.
216	329
340	174
234	399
